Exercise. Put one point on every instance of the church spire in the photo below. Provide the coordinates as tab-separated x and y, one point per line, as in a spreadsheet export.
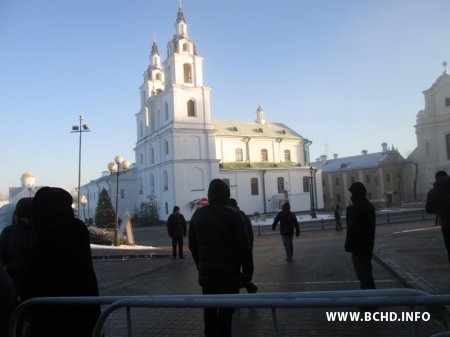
180	16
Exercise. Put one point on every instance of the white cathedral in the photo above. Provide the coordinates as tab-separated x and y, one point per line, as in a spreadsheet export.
180	148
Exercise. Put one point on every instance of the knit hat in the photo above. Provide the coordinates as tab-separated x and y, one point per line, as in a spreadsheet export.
218	191
358	190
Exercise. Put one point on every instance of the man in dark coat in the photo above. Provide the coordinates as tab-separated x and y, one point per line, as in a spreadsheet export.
438	201
220	248
61	265
16	241
361	234
288	222
176	228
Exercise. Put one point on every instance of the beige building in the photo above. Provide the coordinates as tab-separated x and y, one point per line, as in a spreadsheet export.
386	175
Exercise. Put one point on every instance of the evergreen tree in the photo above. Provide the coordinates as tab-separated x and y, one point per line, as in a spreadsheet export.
105	215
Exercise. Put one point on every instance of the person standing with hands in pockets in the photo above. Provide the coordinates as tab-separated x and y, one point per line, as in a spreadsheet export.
288	222
176	227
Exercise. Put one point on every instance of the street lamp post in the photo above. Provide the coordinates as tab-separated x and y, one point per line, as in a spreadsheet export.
312	171
79	129
117	167
84	202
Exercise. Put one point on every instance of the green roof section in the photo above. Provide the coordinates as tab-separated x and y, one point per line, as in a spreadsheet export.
236	128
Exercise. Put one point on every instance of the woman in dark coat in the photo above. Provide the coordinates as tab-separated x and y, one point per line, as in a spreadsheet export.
61	265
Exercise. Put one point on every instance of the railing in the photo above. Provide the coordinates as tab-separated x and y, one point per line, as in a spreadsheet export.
382	217
316	299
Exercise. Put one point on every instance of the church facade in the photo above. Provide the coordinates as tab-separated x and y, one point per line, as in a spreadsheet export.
180	148
433	134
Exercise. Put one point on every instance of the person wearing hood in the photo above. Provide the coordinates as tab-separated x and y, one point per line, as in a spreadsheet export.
16	241
61	265
360	237
176	228
438	202
220	248
288	222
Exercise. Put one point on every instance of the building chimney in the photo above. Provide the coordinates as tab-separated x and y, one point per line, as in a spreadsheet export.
260	116
384	148
323	158
364	152
335	156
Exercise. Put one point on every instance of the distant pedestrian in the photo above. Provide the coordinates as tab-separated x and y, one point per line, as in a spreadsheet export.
288	222
360	238
220	248
176	228
16	242
440	175
337	217
249	285
61	265
438	202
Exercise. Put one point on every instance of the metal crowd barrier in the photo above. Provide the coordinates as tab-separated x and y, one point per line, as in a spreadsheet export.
314	299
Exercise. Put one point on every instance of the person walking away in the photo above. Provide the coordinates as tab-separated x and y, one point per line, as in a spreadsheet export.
16	241
337	217
288	222
249	285
220	248
60	265
438	202
360	237
176	227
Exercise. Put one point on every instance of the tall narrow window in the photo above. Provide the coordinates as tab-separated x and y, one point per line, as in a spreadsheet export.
186	47
152	155
447	142
191	108
166	147
152	184
280	185
166	111
239	155
287	156
187	73
165	181
388	177
447	101
264	156
337	181
254	186
305	184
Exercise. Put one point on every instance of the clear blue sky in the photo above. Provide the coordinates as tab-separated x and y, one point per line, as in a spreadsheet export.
346	74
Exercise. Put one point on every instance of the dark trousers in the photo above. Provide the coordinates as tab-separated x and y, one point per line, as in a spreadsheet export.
446	235
177	241
217	320
288	244
362	262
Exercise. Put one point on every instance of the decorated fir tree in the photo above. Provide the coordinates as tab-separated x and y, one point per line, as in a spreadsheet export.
105	214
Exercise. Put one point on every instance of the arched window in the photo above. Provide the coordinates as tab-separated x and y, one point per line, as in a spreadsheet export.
287	155
165	181
187	73
239	156
280	185
191	108
166	111
306	184
186	47
158	77
254	186
152	184
264	156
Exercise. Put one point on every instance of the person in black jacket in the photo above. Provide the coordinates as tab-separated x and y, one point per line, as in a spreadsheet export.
16	241
438	201
288	222
60	265
220	248
176	228
361	234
